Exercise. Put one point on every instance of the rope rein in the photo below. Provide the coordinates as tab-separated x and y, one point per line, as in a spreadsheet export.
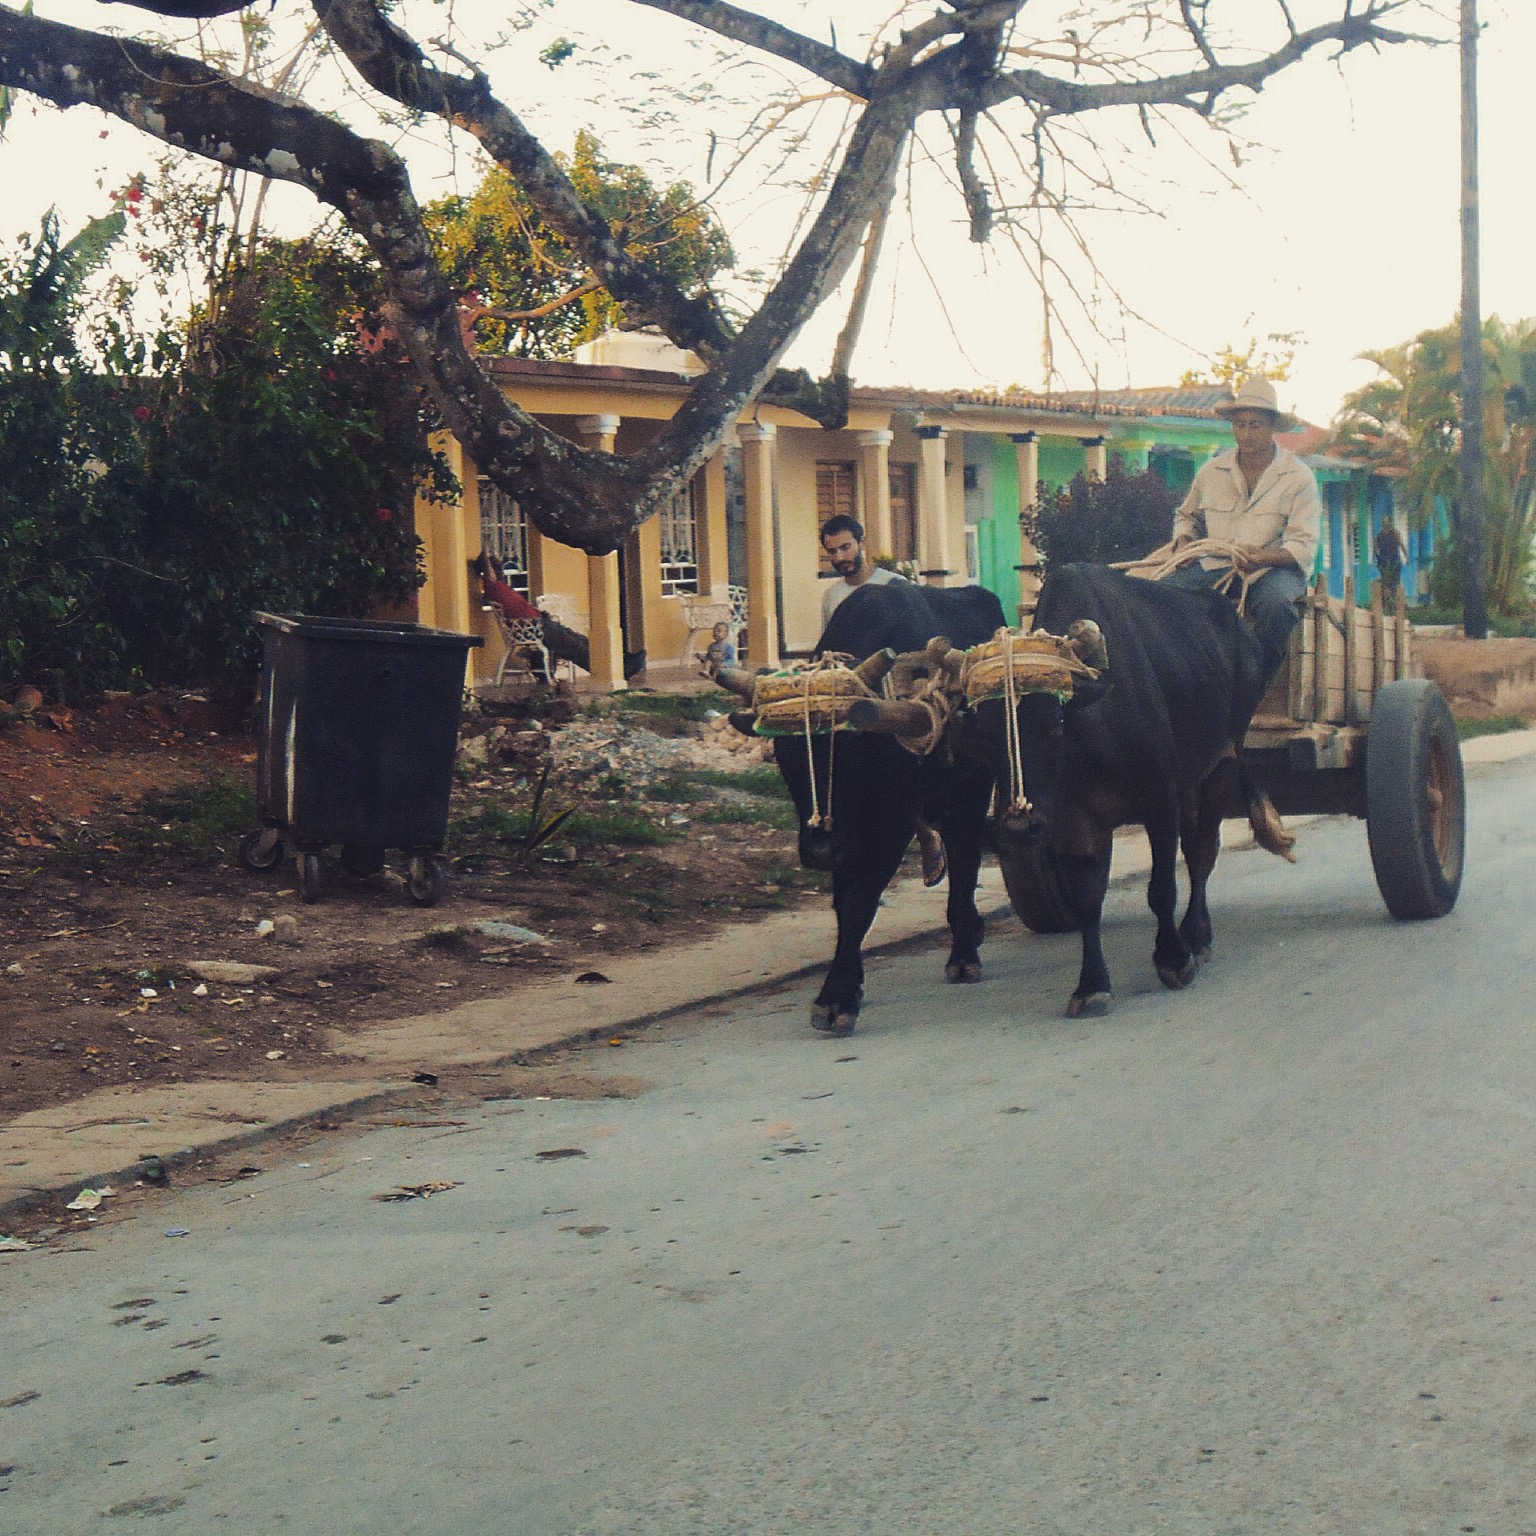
1018	801
819	819
1162	561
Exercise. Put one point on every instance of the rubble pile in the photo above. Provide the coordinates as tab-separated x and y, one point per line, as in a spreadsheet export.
594	746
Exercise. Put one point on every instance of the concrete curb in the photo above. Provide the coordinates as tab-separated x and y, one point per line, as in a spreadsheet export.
102	1139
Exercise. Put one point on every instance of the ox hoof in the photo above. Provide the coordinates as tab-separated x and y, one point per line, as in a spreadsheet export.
1177	980
1092	1005
963	970
828	1020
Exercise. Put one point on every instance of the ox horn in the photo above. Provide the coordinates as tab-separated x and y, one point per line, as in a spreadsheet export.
1087	640
889	717
871	671
737	680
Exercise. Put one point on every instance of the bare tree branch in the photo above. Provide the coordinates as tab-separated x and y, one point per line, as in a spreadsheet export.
743	26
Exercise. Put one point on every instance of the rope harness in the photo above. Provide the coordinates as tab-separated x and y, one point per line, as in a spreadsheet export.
1013	664
1162	561
810	699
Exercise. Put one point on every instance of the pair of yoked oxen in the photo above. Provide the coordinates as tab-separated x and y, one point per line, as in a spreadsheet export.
1145	732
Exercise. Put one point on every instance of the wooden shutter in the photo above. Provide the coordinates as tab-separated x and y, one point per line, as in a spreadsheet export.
836	491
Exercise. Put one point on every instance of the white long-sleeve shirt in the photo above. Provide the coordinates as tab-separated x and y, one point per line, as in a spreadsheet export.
1282	511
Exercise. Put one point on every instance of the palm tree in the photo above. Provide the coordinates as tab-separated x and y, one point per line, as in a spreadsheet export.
1405	423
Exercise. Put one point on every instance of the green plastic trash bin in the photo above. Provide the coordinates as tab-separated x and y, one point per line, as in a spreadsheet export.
358	730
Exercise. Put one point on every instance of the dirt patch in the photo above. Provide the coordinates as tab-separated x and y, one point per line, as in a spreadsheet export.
1481	678
108	894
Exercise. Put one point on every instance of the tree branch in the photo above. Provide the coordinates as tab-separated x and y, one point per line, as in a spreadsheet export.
1069	97
770	37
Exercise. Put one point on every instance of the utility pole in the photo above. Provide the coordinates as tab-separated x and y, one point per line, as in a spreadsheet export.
1469	520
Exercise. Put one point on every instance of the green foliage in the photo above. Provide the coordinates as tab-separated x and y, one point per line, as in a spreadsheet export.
497	251
1407	423
541	829
1121	517
267	455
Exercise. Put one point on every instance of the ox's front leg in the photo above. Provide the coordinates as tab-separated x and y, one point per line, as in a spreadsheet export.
859	879
964	824
1084	879
1170	954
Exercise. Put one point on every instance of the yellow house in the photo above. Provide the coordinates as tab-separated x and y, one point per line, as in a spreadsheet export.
921	471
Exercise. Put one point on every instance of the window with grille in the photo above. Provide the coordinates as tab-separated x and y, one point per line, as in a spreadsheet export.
904	511
504	534
679	526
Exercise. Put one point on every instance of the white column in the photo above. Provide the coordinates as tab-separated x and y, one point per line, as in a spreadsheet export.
759	473
606	632
875	485
1026	448
1098	460
933	508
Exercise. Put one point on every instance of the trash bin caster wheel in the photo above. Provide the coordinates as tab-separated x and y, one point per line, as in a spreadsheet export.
424	885
309	877
261	850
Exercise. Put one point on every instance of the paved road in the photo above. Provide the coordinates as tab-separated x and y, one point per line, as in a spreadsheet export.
1256	1258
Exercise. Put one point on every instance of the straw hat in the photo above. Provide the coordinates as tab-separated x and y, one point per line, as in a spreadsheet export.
1256	394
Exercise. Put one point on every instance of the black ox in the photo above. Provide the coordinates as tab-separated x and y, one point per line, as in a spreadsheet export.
878	789
1153	742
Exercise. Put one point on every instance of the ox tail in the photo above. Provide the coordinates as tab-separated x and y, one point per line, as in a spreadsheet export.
1269	832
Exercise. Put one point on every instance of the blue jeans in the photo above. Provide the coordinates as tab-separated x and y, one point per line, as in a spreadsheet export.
1271	605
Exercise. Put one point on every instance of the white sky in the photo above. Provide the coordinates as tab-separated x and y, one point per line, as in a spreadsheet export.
1346	228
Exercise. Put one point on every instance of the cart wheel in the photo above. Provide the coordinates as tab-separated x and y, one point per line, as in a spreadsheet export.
309	877
1415	799
1034	889
361	862
424	885
261	850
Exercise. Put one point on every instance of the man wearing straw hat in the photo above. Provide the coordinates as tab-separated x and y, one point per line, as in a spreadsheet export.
1259	503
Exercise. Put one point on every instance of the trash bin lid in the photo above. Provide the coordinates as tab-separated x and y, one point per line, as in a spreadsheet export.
317	627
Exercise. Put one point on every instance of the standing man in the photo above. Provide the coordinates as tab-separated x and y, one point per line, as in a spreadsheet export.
1388	550
842	537
1262	499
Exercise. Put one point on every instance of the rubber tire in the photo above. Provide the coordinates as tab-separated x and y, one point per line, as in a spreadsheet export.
260	863
426	881
309	878
360	862
1415	799
1034	891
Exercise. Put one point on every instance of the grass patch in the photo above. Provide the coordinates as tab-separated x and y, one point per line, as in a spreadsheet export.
666	714
764	780
449	940
192	823
487	828
778	816
1495	725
